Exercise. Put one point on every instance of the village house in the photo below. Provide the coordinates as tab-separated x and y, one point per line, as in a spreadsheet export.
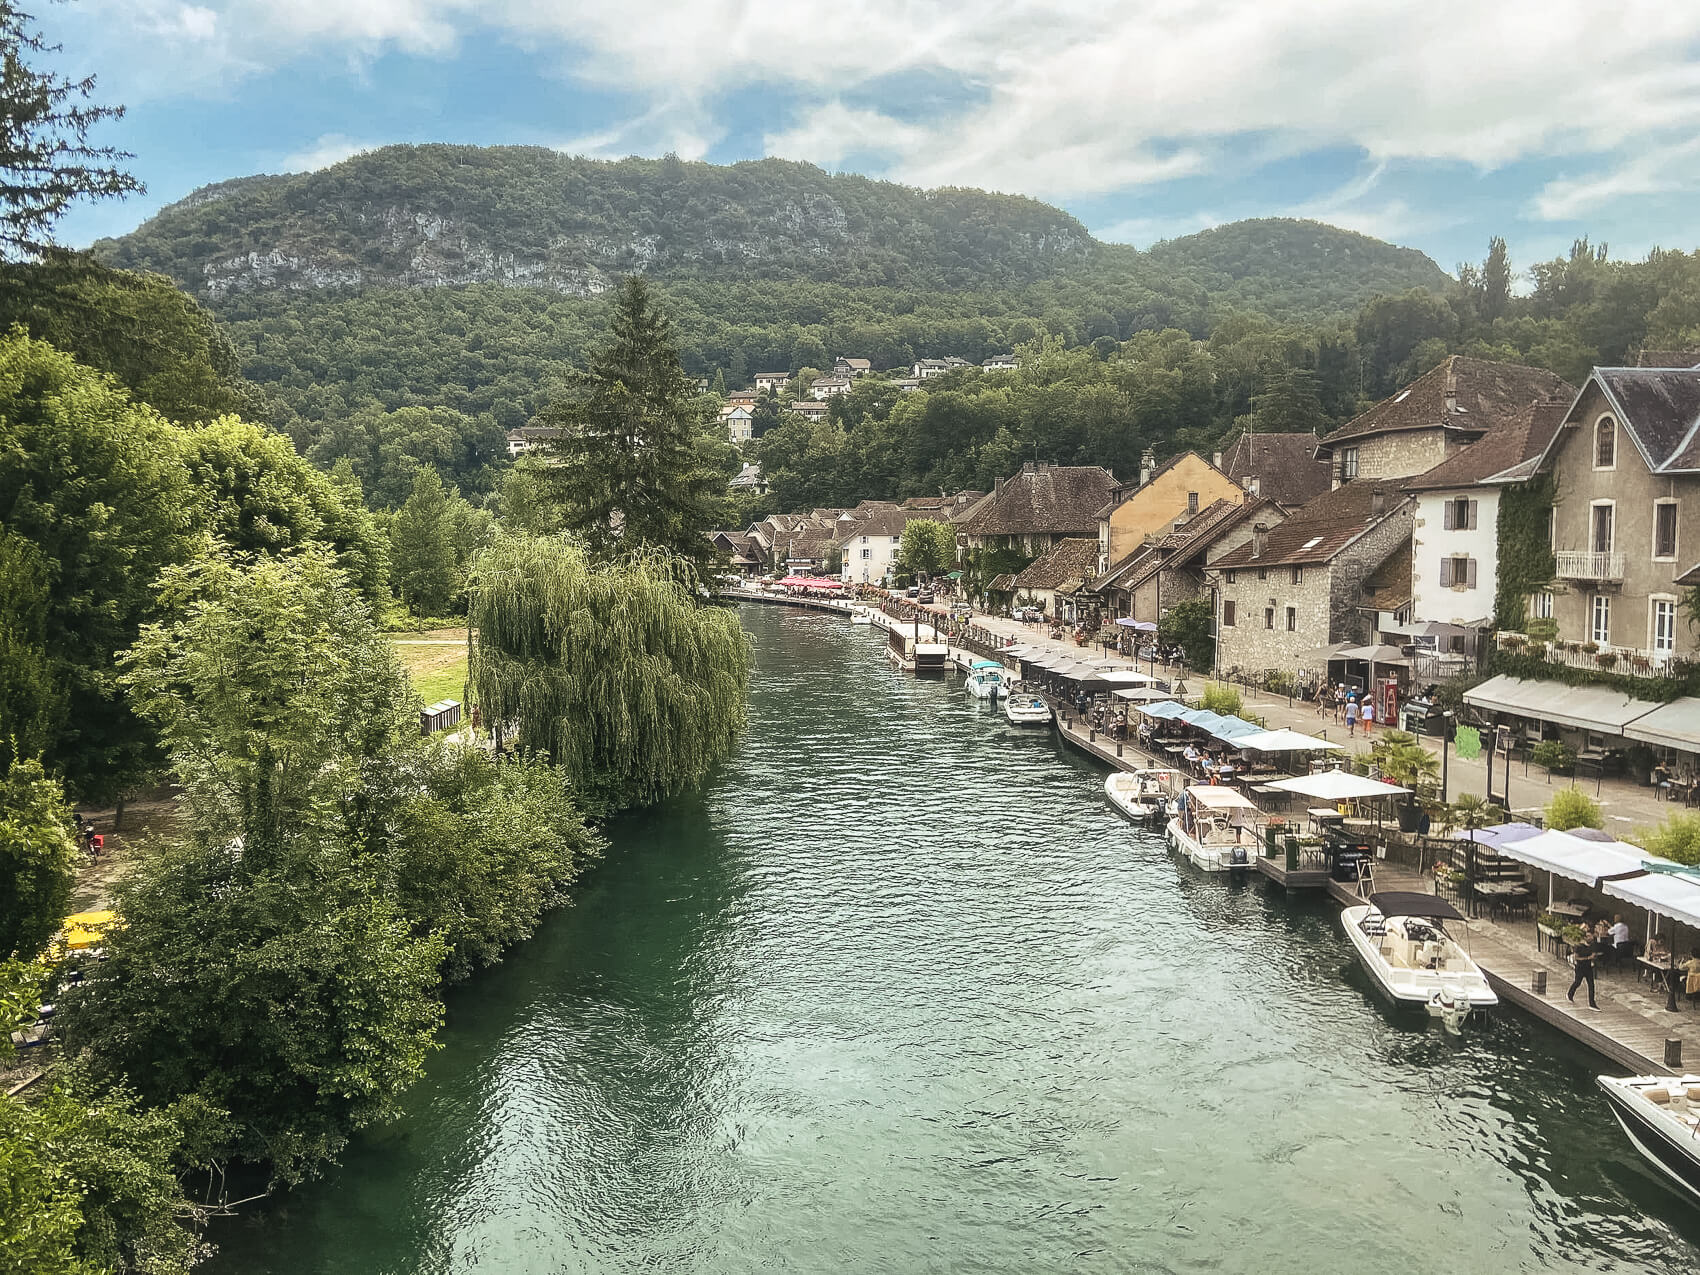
748	481
1282	466
1454	535
942	507
1170	568
1316	578
926	369
827	386
1052	582
850	369
529	438
1033	510
1433	418
740	424
1001	363
741	557
907	384
1139	510
813	410
869	541
771	382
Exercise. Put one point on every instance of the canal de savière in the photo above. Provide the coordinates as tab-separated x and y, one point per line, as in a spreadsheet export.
897	991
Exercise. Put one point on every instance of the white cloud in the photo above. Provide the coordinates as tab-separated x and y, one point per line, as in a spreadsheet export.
1142	232
330	148
1065	97
1651	172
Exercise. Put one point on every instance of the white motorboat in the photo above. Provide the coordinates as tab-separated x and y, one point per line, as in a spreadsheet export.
1027	710
1661	1115
860	615
987	679
1143	794
1216	828
1400	936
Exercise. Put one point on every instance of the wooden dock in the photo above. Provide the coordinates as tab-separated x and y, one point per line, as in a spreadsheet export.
1275	868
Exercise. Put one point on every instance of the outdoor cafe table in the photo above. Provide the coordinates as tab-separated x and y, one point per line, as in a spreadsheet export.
1572	909
1502	896
1656	969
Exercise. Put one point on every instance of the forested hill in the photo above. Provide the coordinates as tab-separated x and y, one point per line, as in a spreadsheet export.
431	216
1307	264
422	216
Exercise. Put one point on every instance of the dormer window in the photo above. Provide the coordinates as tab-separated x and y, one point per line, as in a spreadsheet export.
1605	443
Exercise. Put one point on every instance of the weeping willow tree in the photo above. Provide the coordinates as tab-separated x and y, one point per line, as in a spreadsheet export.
612	668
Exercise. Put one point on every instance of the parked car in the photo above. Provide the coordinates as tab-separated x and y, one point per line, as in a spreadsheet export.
925	597
911	591
1027	613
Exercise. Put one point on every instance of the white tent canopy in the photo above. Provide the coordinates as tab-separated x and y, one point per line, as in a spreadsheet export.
1337	785
1217	798
1283	741
1587	862
1125	677
1145	693
1673	896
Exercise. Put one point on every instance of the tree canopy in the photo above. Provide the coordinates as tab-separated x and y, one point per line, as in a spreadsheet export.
927	546
38	859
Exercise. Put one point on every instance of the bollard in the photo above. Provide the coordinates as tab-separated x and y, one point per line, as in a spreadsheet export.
1091	736
1292	854
1673	1052
1118	748
1538	982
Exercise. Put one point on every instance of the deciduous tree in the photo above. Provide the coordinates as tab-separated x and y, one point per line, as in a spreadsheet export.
38	859
927	547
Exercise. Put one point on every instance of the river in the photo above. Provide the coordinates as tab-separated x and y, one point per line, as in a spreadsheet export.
896	991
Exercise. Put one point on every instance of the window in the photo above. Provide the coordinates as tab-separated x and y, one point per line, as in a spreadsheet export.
1599	620
1459	515
1540	606
867	553
1228	577
1602	532
1192	502
1664	529
1458	572
1227	615
1664	625
1605	443
864	540
897	540
1263	573
1348	464
1268	617
1298	575
1292	619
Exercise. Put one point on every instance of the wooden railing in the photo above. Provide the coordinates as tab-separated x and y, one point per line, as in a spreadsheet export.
1582	564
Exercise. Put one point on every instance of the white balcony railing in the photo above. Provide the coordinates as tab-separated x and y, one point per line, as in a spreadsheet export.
1634	661
1580	564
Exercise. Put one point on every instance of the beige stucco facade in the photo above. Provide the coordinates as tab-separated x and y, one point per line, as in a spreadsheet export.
1187	485
1619	592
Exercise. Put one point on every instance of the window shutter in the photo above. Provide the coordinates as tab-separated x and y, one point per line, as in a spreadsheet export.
1472	525
1446	573
1446	520
1471	578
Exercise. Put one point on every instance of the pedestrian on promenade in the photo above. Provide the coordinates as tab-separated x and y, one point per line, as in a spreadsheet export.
1583	955
1339	702
1351	716
1368	713
1324	699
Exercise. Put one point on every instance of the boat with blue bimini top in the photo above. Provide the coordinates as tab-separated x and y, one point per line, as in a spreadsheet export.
1401	938
1216	828
987	679
1144	795
1661	1115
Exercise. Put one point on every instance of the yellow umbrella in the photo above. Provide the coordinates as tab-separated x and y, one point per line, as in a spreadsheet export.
85	929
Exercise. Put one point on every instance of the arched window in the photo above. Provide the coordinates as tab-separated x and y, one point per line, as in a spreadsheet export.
1605	443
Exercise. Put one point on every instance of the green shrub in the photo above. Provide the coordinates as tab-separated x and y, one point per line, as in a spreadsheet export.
1552	754
1573	808
1678	837
1220	697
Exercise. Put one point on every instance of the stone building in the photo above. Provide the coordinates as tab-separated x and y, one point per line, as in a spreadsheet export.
1033	510
1316	578
1170	569
1284	467
1052	581
1433	418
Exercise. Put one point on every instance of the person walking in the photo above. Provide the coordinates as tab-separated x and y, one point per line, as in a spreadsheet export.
1368	714
1351	716
1324	699
1339	702
1583	954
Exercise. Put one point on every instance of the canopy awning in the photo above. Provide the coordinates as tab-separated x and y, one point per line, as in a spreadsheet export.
1595	708
1235	729
1498	835
1125	677
985	664
1674	896
1414	903
86	929
1202	718
1167	710
1588	862
1218	798
1143	626
1145	693
1284	741
1337	785
1373	654
1673	725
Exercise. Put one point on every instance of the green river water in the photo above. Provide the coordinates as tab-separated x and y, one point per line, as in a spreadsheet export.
897	991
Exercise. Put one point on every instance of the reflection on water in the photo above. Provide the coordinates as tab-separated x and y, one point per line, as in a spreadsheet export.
898	991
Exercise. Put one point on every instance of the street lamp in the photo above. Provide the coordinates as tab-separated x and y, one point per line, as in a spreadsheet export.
1445	752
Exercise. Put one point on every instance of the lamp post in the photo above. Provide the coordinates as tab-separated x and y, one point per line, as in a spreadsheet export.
1445	752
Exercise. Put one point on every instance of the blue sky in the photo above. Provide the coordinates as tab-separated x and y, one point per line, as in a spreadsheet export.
1433	124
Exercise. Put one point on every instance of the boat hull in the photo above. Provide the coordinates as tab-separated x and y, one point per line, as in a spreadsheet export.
1415	987
1210	858
1673	1153
1023	714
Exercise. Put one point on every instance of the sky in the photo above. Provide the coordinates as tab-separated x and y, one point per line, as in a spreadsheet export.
1431	123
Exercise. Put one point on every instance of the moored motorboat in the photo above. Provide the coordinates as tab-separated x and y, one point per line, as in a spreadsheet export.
987	679
1216	828
1400	937
1143	794
1026	709
1661	1115
860	615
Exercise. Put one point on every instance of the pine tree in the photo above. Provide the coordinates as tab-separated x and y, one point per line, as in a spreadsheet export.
632	471
422	551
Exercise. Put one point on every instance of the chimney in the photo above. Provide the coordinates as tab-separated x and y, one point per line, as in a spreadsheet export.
1028	467
1259	536
1377	503
1216	459
1147	463
999	487
1452	384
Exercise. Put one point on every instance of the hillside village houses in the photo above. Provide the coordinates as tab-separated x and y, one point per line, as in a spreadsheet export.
826	386
740	424
771	382
850	369
810	409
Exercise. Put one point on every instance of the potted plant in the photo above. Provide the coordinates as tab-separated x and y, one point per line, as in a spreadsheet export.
1605	659
1550	924
1552	754
1401	759
1572	933
1590	646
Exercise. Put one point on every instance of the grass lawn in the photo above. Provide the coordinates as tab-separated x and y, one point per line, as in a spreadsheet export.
436	661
